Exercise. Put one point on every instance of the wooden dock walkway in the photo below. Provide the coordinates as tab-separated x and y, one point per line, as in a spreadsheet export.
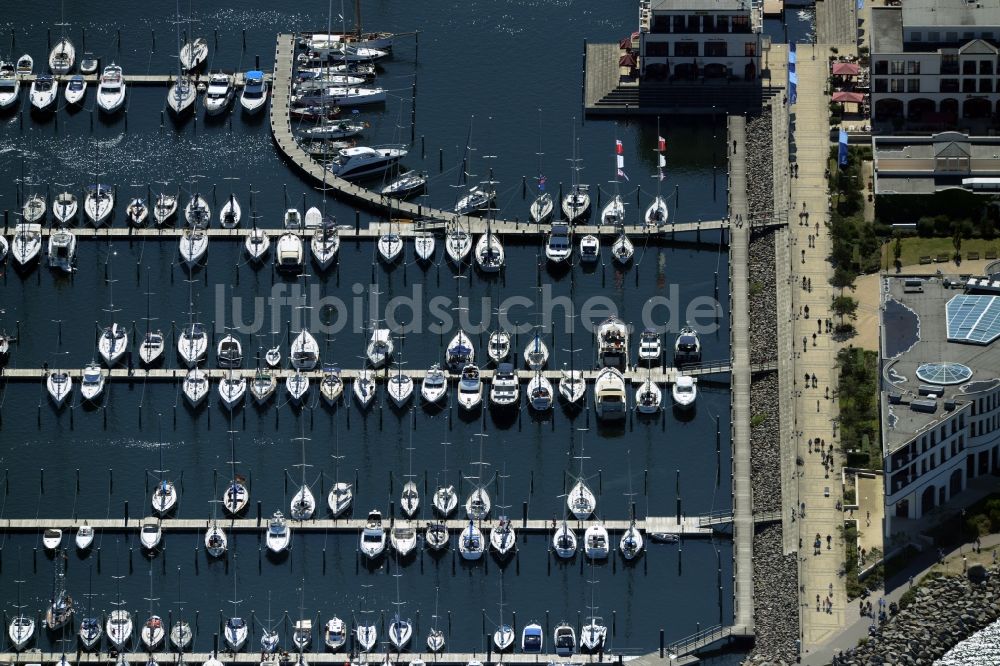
142	79
251	656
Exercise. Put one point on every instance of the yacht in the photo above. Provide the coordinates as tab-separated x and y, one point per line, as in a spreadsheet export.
458	244
297	386
560	244
336	129
470	388
254	95
435	384
505	388
229	352
52	539
325	243
257	244
25	65
489	253
609	395
112	343
193	245
331	387
193	54
62	56
684	391
150	535
151	349
650	348
581	501
445	500
499	346
232	389
192	344
576	203
89	63
459	352
364	161
539	391
137	211
65	207
279	534
565	640
27	243
98	203
289	252
373	536
532	639
536	354
84	537
595	542
44	90
263	386
341	96
195	386
111	89
220	93
687	347
10	85
409	182
631	543
92	384
572	386
165	208
76	90
590	249
380	347
230	213
403	538
648	397
335	633
612	343
470	543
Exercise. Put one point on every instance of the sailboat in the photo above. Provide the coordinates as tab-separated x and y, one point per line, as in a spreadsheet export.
22	627
269	637
478	505
236	496
541	208
400	630
98	203
445	498
303	502
622	250
458	242
390	246
325	243
65	207
34	208
113	341
195	386
165	495
648	396
230	213
193	54
27	244
60	609
580	500
423	245
489	253
409	499
540	394
366	631
236	631
594	632
192	342
216	540
498	347
364	387
435	637
572	386
460	352
264	386
632	541
90	627
341	494
657	213
503	537
536	353
576	203
503	637
152	633
331	387
304	352
119	624
59	385
564	541
232	389
399	386
477	198
63	54
137	211
380	346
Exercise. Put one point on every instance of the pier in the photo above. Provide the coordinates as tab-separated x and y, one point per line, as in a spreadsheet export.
380	658
140	79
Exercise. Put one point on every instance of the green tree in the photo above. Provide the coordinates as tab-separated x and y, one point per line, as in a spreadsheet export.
844	306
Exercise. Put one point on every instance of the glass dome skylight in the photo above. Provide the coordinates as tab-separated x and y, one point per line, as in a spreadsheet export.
943	373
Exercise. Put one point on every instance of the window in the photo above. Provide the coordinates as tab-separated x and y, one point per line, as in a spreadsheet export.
933	36
951	36
969	67
916	36
657	49
896	85
988	34
722	23
677	23
686	49
896	67
741	24
985	66
749	49
881	66
715	49
968	35
913	85
660	25
881	86
912	66
949	63
693	23
968	85
985	85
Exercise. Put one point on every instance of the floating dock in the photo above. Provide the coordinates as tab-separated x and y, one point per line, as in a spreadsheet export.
140	79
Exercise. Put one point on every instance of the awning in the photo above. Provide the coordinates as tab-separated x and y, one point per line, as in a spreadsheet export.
846	69
848	97
626	43
626	60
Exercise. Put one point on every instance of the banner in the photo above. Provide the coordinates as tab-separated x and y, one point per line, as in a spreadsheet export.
842	145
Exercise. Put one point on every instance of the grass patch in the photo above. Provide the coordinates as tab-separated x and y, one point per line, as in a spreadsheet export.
857	392
915	247
757	419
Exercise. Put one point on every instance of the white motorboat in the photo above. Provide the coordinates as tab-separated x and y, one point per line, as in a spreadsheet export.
685	391
572	386
434	386
592	635
25	65
339	498
436	535
540	394
164	208
470	388
409	182
98	203
337	129
219	94
304	352
236	496
293	220
192	344
263	386
380	347
152	347
297	386
65	207
609	395
331	387
195	386
477	199
254	95
657	213
216	540
89	63
595	542
364	387
152	633
112	344
229	352
403	538
164	496
564	541
84	537
498	346
364	161
10	85
34	209
151	534
335	634
52	538
235	634
541	208
390	247
457	244
181	95
687	346
119	628
470	542
536	353
560	244
4	249
278	533
232	390
197	212
373	536
27	244
648	397
478	506
193	245
230	213
62	56
612	343
111	89
289	252
445	500
576	203
257	244
632	542
490	255
505	388
303	504
325	243
503	537
193	54
92	384
590	249
137	211
650	348
622	249
581	501
400	388
424	243
21	630
43	93
613	213
532	639
459	352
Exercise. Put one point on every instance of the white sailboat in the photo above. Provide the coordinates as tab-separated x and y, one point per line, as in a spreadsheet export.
304	351
98	203
380	346
303	504
195	386
657	213
297	385
112	344
324	244
59	384
471	545
263	386
498	346
331	387
165	496
536	353
572	386
458	243
232	390
435	637
193	246
622	249
65	207
580	500
137	211
423	243
540	394
648	397
230	213
390	247
460	352
490	255
164	208
27	244
192	343
364	387
576	203
564	541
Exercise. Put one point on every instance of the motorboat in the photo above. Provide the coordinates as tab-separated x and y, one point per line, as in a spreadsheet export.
331	387
498	346
536	353
164	208
478	506
532	639
263	386
76	90
297	386
92	384
111	89
572	386
232	390
289	252
65	207
560	244
657	213
119	628
581	501
98	203
470	542
390	247
150	535
684	391
137	211
687	346
278	533
193	54
576	203
565	640
89	63
195	386
254	94
230	213
609	395
339	498
304	352
424	244
181	635
27	244
457	244
648	397
335	633
181	95
257	244
236	496
193	245
216	541
459	352
337	129
400	632
436	535
590	249
235	633
219	94
434	386
403	538
10	85
192	344
293	220
595	542
540	395
25	65
373	536
409	182
112	343
445	500
399	387
365	161
632	542
229	352
541	208
650	348
152	633
477	199
43	93
593	635
303	504
380	347
197	212
21	630
152	347
503	537
613	213
622	249
4	249
612	343
505	388
34	209
470	388
324	244
364	387
84	537
164	497
52	538
489	253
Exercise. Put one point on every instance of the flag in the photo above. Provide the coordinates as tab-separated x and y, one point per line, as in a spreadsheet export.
621	161
618	147
621	174
541	183
661	144
662	162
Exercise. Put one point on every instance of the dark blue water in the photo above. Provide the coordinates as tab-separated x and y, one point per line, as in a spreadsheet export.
515	67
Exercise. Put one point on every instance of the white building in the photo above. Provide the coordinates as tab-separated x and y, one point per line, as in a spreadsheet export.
694	39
